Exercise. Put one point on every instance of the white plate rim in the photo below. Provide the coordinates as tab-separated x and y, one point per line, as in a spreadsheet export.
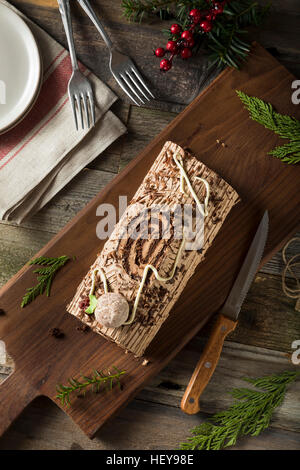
26	111
37	65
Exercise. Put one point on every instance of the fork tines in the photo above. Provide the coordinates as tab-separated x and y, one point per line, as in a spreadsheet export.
84	106
131	81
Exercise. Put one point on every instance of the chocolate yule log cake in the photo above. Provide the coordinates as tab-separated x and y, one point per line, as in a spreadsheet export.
145	264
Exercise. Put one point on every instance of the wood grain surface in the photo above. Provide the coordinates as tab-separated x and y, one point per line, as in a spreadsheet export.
42	361
146	422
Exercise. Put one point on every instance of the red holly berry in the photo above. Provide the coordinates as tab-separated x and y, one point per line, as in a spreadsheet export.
218	7
195	15
186	53
172	47
206	26
189	43
187	35
165	65
159	52
175	29
211	15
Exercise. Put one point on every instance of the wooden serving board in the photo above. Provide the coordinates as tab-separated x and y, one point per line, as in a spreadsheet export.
263	182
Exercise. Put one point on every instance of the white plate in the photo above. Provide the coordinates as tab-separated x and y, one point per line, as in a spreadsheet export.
20	68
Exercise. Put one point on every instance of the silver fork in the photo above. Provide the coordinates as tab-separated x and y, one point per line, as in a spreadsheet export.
79	88
121	66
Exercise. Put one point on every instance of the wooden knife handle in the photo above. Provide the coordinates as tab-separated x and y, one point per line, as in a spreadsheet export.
207	364
15	395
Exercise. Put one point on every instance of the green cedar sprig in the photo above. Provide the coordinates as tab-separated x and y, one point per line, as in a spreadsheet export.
99	380
45	277
226	42
285	126
250	414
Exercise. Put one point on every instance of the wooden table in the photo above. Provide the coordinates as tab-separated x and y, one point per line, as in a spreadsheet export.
268	322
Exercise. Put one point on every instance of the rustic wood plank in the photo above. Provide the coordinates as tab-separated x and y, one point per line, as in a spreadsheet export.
276	264
140	426
17	246
236	361
146	422
143	125
281	28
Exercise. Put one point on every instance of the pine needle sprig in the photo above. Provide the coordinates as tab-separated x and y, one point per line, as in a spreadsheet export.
136	10
250	414
285	126
45	277
226	42
99	380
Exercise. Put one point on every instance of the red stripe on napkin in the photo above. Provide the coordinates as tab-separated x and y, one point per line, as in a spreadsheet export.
52	91
35	134
54	60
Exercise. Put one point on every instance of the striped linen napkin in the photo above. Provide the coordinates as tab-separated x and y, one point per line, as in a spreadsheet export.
44	152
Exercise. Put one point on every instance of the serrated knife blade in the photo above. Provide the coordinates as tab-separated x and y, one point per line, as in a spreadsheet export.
235	299
226	320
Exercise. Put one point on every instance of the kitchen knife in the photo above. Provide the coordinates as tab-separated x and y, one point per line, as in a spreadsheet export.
226	320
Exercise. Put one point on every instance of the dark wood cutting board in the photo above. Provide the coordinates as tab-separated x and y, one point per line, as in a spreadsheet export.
262	181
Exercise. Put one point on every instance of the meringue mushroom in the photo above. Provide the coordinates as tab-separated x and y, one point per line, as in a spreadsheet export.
112	310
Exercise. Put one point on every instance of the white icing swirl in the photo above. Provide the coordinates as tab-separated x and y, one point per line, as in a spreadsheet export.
158	277
103	279
183	179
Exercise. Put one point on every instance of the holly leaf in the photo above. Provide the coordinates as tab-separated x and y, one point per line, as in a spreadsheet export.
93	304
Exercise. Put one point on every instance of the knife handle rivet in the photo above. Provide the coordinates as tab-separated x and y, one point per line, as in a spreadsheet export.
191	400
223	328
207	365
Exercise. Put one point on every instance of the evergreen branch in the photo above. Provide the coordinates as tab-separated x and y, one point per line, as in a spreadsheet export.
246	13
44	261
32	293
287	153
136	9
250	414
98	380
285	126
224	41
45	278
